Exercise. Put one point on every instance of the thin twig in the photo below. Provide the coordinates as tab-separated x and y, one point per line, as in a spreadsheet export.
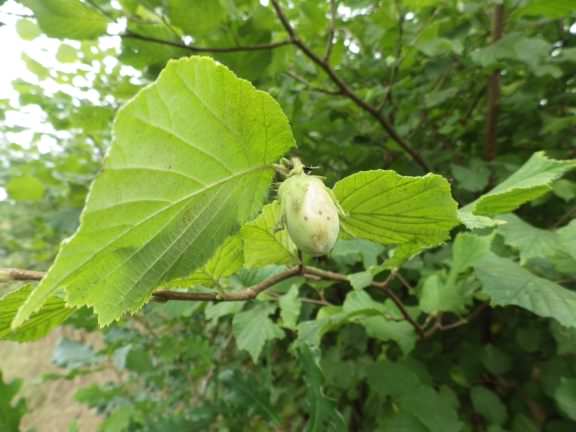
490	143
347	91
331	30
439	326
311	87
381	285
197	49
13	274
242	295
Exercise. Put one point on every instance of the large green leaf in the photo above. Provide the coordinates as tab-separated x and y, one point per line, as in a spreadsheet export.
264	243
531	181
507	283
53	313
388	208
70	19
191	161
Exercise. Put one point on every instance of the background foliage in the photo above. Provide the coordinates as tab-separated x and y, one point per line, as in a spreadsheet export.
473	91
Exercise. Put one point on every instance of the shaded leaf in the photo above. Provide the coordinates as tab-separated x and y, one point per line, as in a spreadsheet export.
531	242
324	415
507	283
11	412
253	328
25	188
531	181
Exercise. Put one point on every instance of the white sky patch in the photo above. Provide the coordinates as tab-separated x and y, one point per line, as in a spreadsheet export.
573	28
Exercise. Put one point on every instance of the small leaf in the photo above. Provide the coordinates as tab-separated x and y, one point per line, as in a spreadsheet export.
290	305
25	188
226	261
11	412
507	283
388	208
70	19
565	395
27	29
66	54
531	181
553	9
71	354
531	242
488	405
360	280
52	314
253	328
264	244
434	409
196	18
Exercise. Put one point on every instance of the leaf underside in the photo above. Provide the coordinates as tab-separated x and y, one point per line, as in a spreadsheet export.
191	161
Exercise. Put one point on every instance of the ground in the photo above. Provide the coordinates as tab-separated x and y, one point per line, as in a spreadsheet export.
51	405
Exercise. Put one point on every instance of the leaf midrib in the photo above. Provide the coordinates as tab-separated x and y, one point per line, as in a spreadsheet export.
158	212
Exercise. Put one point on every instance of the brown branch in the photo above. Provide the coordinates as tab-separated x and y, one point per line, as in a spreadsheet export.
439	326
324	274
345	90
490	144
12	274
197	49
245	294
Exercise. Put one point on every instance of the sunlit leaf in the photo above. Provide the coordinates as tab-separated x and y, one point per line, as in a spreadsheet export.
388	208
191	161
69	19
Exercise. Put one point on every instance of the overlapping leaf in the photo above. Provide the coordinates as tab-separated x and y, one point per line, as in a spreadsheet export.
191	161
53	313
264	242
531	181
507	283
70	19
227	260
387	208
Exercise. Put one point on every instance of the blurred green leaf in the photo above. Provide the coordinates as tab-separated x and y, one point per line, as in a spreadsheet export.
11	411
25	188
253	328
507	283
206	174
488	405
67	19
27	29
